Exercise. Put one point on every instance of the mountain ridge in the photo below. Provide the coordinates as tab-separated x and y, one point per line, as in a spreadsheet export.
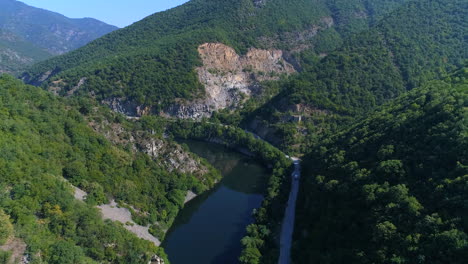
51	31
29	35
153	61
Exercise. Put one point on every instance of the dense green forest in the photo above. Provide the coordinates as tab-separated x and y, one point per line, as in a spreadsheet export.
384	180
393	187
152	62
43	141
420	41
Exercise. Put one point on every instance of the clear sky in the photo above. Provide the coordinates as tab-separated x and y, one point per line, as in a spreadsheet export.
119	13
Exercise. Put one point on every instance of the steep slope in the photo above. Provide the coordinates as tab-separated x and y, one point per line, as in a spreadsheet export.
47	145
48	30
420	41
16	53
151	64
393	187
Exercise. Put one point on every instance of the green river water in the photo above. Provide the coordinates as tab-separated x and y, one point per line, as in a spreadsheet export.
209	228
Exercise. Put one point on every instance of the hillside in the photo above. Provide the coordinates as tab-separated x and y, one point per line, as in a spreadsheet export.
154	64
420	41
391	188
48	145
29	35
16	53
360	87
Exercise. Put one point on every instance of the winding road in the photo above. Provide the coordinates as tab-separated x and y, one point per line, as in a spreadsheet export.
287	228
289	216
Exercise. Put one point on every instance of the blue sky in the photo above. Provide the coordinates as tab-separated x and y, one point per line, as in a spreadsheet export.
120	13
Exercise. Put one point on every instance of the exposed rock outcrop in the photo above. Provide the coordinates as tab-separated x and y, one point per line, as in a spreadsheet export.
79	194
230	78
126	107
156	260
17	247
190	196
77	87
113	212
259	3
123	215
169	155
26	78
11	55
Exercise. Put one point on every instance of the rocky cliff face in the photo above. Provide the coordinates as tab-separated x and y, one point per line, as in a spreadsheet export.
230	78
169	155
126	107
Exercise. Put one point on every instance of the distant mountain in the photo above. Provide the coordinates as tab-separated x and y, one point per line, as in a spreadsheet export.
48	30
17	53
153	64
29	35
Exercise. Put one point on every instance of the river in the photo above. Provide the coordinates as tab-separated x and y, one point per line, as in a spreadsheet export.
209	228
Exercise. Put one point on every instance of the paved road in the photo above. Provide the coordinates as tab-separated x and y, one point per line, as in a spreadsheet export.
287	228
289	216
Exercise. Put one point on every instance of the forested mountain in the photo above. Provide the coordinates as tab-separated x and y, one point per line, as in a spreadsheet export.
48	30
16	53
420	41
153	62
393	187
29	35
351	55
47	145
384	179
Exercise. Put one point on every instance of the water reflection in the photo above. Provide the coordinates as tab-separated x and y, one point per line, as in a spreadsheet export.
209	228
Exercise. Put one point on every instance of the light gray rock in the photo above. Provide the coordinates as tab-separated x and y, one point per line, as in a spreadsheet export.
229	79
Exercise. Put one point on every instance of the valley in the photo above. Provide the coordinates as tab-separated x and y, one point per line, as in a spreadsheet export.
172	139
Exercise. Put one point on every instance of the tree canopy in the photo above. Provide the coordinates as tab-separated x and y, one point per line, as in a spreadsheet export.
391	188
